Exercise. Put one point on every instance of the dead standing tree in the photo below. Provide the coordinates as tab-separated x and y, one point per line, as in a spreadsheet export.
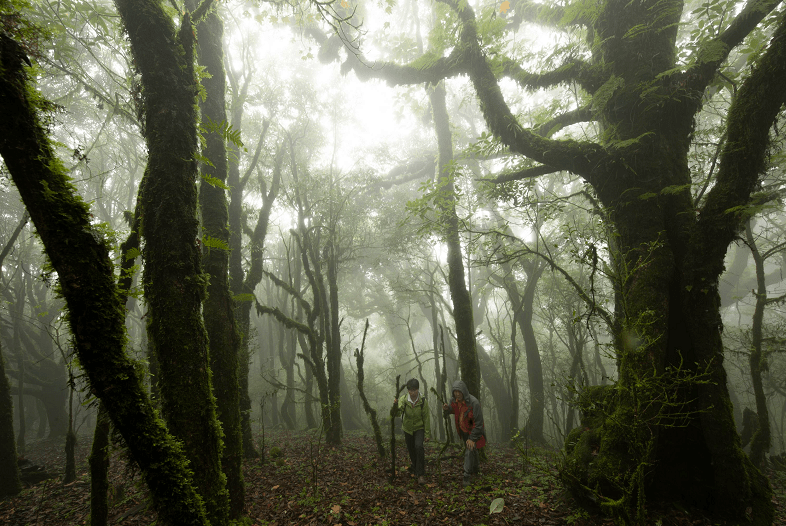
370	411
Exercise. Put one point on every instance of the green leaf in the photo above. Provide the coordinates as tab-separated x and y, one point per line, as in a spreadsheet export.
215	182
224	129
497	505
212	242
202	159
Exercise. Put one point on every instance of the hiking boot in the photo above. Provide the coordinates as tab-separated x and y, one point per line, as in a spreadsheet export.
421	480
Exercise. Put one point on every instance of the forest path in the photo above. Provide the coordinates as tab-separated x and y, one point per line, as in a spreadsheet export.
352	488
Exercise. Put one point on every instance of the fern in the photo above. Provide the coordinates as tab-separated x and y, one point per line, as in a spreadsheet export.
214	181
224	129
212	242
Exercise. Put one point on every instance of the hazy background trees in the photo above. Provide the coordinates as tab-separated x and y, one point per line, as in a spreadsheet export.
473	251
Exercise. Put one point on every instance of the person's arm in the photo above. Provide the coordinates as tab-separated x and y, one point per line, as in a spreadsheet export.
397	408
478	429
448	407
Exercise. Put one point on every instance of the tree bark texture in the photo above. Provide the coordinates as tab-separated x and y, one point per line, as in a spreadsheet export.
175	285
9	482
99	470
219	315
668	257
459	294
95	314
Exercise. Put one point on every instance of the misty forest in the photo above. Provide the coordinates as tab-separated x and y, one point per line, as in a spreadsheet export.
231	233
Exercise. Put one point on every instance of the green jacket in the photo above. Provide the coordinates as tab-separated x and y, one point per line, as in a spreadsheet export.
414	418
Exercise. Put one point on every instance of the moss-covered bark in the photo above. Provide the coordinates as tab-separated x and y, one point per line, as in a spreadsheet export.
9	482
218	306
669	411
95	314
174	281
459	294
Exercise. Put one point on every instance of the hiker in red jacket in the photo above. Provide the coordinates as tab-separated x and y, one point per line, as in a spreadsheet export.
468	414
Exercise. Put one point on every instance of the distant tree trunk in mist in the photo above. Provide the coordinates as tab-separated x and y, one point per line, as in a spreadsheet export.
218	309
499	394
761	440
462	303
236	275
288	355
577	371
243	287
174	279
333	345
435	341
96	315
523	306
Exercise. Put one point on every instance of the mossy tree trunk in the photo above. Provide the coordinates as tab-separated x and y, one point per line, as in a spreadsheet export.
459	294
175	284
219	315
95	313
668	251
669	258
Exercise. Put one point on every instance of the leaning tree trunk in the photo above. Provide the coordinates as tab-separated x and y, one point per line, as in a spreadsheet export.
219	314
174	279
462	303
95	314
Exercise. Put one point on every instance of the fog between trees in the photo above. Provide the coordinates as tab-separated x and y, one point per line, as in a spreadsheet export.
576	209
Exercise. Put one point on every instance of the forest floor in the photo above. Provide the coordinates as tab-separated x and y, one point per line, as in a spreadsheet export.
304	482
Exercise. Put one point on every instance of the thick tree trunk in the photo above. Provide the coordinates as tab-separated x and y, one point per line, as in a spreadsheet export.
174	280
459	294
99	470
96	316
9	482
219	315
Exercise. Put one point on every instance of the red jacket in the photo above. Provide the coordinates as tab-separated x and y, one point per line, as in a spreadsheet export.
468	416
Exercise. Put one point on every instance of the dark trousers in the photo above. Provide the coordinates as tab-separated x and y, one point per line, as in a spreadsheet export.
471	459
417	454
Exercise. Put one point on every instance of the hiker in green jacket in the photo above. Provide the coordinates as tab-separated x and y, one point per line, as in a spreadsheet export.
416	424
